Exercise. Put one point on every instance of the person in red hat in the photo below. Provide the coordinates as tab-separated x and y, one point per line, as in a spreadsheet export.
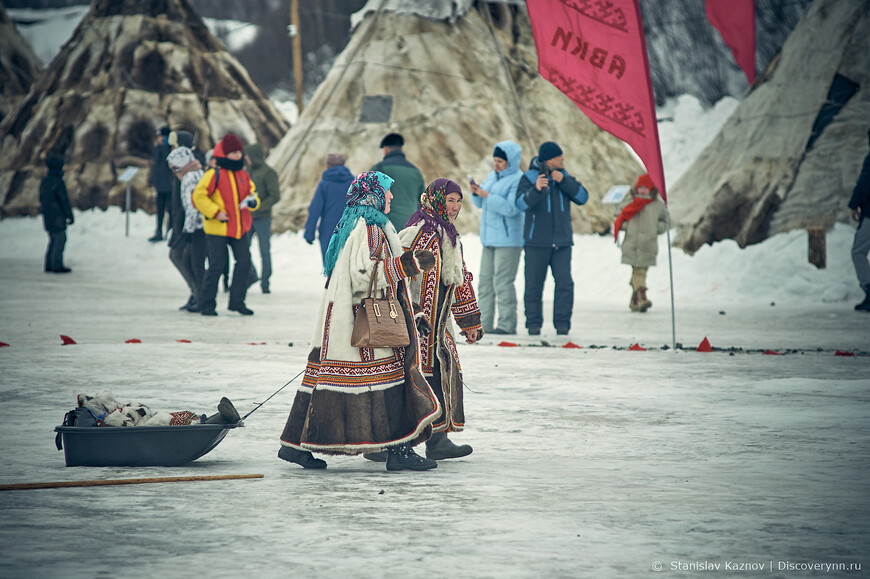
643	220
225	196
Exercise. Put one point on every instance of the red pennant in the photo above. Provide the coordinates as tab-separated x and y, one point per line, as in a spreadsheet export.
771	353
256	343
183	341
637	348
66	340
842	353
572	345
507	344
4	345
705	346
133	341
595	53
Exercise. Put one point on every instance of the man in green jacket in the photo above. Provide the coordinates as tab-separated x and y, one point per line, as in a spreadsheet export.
408	183
266	180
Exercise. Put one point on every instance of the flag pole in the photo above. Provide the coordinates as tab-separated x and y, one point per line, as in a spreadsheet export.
671	274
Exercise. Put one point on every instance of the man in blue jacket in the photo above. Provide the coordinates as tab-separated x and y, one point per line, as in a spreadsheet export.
501	233
860	206
546	192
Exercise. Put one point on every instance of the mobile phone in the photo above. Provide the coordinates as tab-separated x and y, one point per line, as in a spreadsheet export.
471	180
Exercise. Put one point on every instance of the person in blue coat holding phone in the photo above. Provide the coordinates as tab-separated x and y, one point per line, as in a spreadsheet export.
501	233
546	192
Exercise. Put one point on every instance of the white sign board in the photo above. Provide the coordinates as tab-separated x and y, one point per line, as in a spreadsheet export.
128	174
616	194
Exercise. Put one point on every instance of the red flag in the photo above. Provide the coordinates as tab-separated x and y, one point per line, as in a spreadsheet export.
735	21
595	53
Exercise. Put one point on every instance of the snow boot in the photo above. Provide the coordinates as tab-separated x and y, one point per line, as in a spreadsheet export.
228	411
634	304
191	301
644	303
227	414
376	456
403	457
440	447
301	457
865	305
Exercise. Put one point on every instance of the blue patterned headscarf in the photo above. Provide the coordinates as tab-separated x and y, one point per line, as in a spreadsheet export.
366	197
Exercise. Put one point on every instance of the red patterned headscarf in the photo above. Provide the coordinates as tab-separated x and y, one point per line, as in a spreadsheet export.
433	210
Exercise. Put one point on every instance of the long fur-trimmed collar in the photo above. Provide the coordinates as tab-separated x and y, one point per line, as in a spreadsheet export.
452	270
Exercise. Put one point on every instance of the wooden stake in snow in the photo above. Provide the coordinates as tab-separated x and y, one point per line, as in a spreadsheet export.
123	481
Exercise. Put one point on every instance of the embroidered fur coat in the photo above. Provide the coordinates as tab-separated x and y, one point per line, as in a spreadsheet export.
355	400
443	291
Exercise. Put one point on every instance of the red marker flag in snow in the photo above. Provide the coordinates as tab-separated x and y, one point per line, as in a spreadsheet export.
735	21
595	53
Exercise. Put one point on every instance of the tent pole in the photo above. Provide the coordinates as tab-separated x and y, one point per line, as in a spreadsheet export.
328	98
671	274
510	79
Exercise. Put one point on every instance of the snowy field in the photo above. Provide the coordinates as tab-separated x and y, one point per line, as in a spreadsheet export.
589	462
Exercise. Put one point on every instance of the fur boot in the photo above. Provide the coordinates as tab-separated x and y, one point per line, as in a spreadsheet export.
645	303
634	304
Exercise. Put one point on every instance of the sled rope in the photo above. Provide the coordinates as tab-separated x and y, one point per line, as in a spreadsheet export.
122	481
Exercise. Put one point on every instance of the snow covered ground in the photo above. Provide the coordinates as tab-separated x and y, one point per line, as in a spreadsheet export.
590	462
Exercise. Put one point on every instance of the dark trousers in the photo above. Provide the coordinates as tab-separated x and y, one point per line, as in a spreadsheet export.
262	227
217	260
558	260
176	256
163	206
195	254
54	252
188	256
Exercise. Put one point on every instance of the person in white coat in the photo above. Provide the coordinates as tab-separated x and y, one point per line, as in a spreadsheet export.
643	219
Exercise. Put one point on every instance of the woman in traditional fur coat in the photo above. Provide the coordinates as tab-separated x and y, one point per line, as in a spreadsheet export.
442	292
643	220
357	400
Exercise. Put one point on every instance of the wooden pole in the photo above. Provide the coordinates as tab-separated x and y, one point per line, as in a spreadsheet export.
123	481
817	250
297	52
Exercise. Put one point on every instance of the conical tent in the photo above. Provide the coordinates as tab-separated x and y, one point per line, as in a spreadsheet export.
129	68
19	66
790	154
453	88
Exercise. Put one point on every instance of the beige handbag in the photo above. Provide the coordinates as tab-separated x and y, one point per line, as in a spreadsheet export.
379	322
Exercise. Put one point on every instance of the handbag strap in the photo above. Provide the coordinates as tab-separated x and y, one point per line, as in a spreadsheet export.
373	282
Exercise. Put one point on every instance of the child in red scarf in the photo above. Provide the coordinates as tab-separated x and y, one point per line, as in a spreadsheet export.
643	219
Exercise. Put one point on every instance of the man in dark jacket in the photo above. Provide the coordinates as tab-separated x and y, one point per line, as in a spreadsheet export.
269	191
161	179
860	206
328	202
545	193
56	213
408	183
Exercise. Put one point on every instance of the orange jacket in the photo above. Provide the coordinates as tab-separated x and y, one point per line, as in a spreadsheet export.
232	187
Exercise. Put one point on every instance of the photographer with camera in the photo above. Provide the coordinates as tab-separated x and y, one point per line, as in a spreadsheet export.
225	195
546	192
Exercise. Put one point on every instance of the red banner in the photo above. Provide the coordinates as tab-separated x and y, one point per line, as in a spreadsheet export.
735	21
594	51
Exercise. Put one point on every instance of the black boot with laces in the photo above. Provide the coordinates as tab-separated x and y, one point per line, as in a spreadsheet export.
403	457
